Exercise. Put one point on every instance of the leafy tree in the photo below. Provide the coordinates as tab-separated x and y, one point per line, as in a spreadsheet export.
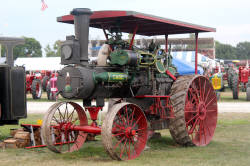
243	50
49	52
225	51
31	48
57	47
56	51
3	51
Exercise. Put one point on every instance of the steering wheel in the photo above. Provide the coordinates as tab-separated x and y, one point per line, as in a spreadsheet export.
161	60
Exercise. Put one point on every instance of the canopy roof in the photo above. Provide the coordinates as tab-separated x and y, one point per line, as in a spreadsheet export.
148	25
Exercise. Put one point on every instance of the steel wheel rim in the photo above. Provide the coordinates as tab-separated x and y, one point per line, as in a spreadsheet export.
201	111
59	139
126	134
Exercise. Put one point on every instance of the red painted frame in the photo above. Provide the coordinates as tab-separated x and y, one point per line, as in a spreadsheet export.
196	53
133	37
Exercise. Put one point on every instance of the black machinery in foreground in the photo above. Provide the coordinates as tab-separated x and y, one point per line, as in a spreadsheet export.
12	85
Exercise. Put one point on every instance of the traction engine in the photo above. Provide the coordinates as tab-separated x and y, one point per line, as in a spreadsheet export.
146	91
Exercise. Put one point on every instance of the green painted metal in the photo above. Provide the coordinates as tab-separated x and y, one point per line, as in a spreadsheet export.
119	57
110	77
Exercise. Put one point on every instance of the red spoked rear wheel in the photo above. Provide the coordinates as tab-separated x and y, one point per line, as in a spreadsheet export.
195	107
124	131
201	111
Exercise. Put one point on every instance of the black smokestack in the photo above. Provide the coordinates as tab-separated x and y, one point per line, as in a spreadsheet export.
81	20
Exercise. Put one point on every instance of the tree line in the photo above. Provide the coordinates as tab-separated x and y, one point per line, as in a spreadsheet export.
227	51
33	48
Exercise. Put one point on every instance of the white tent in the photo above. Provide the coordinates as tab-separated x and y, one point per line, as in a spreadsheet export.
189	56
48	63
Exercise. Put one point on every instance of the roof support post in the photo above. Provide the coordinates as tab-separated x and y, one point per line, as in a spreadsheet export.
166	43
106	36
133	37
196	52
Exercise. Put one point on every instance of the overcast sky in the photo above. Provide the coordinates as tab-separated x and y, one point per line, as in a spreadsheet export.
231	18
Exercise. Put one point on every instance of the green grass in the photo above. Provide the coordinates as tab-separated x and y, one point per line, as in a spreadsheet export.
227	96
229	147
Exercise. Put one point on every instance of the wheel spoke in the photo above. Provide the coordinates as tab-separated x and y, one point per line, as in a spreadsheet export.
118	143
194	97
140	129
205	135
123	148
132	116
210	101
129	148
55	119
207	94
196	92
61	116
114	135
136	121
191	111
71	115
200	89
192	119
200	131
114	123
204	89
122	119
67	111
194	125
127	121
207	128
211	111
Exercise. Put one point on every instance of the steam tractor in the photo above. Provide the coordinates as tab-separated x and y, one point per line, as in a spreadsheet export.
46	76
51	88
34	84
150	93
12	85
242	79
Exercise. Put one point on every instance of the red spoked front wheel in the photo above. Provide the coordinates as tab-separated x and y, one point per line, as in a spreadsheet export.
124	131
195	107
56	131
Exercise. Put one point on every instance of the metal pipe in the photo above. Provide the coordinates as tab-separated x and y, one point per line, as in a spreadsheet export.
86	129
81	21
166	43
196	52
133	37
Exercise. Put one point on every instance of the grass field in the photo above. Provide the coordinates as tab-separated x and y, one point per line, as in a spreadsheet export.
227	96
230	147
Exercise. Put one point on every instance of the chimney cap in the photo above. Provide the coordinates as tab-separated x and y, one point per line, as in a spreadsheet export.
81	11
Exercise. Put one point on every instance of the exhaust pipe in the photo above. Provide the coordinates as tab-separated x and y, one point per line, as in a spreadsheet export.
81	21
